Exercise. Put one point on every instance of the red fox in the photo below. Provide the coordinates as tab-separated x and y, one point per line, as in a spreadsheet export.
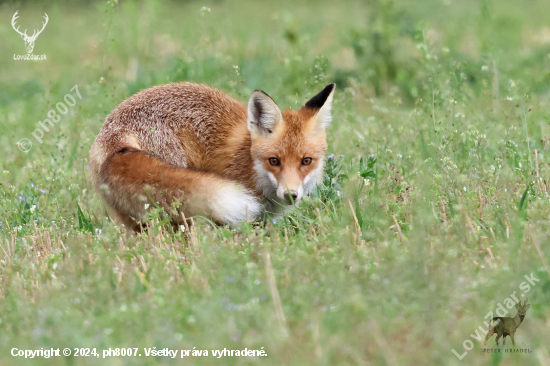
193	147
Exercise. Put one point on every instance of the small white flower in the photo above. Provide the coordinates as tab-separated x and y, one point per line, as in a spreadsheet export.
146	206
182	228
33	208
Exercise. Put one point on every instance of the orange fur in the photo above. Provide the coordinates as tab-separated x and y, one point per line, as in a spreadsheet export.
290	146
190	143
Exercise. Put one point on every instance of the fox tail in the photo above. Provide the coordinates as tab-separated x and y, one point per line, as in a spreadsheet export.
130	179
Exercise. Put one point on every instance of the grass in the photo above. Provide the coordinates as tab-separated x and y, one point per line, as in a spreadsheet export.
434	206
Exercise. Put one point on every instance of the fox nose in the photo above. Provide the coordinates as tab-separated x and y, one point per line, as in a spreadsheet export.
291	196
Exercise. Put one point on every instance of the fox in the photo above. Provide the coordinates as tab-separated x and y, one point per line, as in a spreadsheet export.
197	151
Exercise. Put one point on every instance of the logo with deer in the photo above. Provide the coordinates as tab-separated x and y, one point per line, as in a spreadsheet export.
506	326
29	40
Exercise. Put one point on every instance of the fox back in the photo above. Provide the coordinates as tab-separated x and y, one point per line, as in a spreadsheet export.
197	151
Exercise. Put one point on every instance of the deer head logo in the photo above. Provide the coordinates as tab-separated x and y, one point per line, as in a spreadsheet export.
29	40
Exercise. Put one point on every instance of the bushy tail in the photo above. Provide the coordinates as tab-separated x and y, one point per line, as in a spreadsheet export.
130	178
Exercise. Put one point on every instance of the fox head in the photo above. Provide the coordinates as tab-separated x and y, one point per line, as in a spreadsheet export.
288	147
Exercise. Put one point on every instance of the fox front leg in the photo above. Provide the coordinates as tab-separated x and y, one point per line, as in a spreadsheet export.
498	337
513	340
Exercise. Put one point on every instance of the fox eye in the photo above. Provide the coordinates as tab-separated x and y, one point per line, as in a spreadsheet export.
274	161
306	161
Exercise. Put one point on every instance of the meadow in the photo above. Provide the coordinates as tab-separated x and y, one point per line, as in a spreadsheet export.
434	207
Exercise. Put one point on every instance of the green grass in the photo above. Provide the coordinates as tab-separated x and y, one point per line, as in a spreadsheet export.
433	208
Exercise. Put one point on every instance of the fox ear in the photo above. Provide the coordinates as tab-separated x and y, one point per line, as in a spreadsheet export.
322	102
527	306
263	114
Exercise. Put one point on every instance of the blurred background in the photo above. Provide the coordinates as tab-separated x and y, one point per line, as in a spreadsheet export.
449	99
376	48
